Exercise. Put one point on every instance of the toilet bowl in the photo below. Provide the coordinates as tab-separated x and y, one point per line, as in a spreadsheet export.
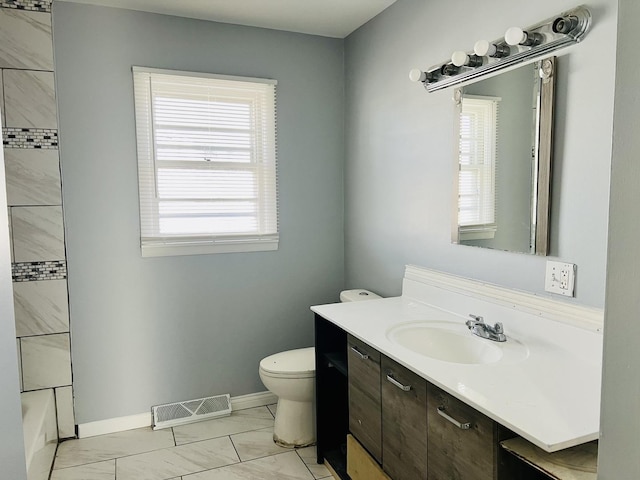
291	376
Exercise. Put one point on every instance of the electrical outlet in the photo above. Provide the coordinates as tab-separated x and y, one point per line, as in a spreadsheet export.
560	278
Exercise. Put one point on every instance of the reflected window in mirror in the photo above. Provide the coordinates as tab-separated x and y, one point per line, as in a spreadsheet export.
478	165
503	160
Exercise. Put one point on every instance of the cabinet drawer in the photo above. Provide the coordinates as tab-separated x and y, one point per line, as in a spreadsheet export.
464	451
404	422
365	421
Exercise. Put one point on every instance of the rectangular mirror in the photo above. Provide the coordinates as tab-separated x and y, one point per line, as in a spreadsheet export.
504	128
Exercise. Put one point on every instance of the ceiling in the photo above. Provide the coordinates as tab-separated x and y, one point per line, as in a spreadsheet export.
329	18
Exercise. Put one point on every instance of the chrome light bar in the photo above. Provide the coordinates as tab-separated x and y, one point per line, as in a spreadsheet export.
518	46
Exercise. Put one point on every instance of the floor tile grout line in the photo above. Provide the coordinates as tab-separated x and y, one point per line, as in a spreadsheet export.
224	435
54	469
215	468
166	448
305	463
175	445
208	469
235	448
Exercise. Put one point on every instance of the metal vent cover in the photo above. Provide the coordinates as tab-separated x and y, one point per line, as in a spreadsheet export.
190	411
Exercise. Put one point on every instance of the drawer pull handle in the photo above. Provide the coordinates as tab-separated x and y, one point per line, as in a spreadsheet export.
402	387
461	426
363	356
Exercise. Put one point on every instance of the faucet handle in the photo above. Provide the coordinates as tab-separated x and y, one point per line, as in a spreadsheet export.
477	318
498	328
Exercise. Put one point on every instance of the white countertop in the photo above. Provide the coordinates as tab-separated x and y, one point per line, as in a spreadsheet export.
551	397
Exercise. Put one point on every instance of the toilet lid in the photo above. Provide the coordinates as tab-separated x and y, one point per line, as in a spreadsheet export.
301	360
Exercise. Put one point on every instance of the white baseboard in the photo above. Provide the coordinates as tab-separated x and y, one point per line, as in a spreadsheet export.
141	420
252	400
113	425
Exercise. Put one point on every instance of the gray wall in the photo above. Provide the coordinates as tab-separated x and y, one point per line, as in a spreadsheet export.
156	330
399	147
11	439
620	422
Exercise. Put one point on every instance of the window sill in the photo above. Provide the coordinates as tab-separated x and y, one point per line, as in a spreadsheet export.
477	232
177	249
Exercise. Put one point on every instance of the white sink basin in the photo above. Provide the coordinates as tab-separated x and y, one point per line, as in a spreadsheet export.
453	342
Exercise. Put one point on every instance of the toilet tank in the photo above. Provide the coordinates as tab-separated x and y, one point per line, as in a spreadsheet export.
357	295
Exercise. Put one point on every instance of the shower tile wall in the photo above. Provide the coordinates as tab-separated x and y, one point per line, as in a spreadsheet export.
30	141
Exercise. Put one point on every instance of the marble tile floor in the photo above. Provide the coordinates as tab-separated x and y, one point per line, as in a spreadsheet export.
238	447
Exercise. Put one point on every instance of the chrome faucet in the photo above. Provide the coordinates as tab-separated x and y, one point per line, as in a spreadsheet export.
481	329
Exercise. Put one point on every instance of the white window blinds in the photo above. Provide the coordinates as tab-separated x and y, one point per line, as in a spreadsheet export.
206	162
478	163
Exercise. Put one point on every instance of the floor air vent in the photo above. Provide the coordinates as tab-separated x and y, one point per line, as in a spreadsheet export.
190	411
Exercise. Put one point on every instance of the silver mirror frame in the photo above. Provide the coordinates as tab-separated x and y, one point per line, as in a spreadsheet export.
543	159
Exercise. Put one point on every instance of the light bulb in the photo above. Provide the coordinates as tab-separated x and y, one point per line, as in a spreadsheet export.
515	36
459	58
417	75
484	48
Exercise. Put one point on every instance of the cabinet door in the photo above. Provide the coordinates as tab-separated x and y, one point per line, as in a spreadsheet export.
404	422
365	421
462	441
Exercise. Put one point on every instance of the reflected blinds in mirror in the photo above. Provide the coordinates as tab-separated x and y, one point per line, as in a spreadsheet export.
477	199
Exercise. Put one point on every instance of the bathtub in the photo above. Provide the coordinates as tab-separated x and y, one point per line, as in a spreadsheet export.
40	432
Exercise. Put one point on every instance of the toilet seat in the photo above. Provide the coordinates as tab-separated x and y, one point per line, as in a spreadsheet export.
299	363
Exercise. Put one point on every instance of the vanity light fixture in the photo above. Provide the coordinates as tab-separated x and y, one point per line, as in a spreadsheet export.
517	36
484	48
518	46
460	59
449	69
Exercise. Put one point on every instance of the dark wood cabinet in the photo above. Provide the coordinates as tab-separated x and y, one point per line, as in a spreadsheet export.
365	414
404	422
463	444
415	430
332	409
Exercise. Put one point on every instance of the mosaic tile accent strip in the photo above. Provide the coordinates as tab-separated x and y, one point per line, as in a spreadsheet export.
33	5
30	138
32	271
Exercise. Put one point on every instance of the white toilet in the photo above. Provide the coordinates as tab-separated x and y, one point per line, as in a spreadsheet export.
291	377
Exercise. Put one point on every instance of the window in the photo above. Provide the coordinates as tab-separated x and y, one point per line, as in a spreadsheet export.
478	162
206	162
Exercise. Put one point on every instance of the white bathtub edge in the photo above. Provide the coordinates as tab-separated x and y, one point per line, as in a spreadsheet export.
40	431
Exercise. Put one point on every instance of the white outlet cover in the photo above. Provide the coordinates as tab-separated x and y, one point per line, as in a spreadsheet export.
560	278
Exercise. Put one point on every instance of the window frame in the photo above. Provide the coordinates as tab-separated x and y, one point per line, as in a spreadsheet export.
262	164
485	170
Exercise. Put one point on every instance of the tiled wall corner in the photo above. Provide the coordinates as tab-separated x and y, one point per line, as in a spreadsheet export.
19	364
29	99
10	235
38	233
64	407
34	194
33	5
33	177
46	361
41	307
25	40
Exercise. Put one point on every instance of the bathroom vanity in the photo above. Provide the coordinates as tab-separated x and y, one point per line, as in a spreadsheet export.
426	399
